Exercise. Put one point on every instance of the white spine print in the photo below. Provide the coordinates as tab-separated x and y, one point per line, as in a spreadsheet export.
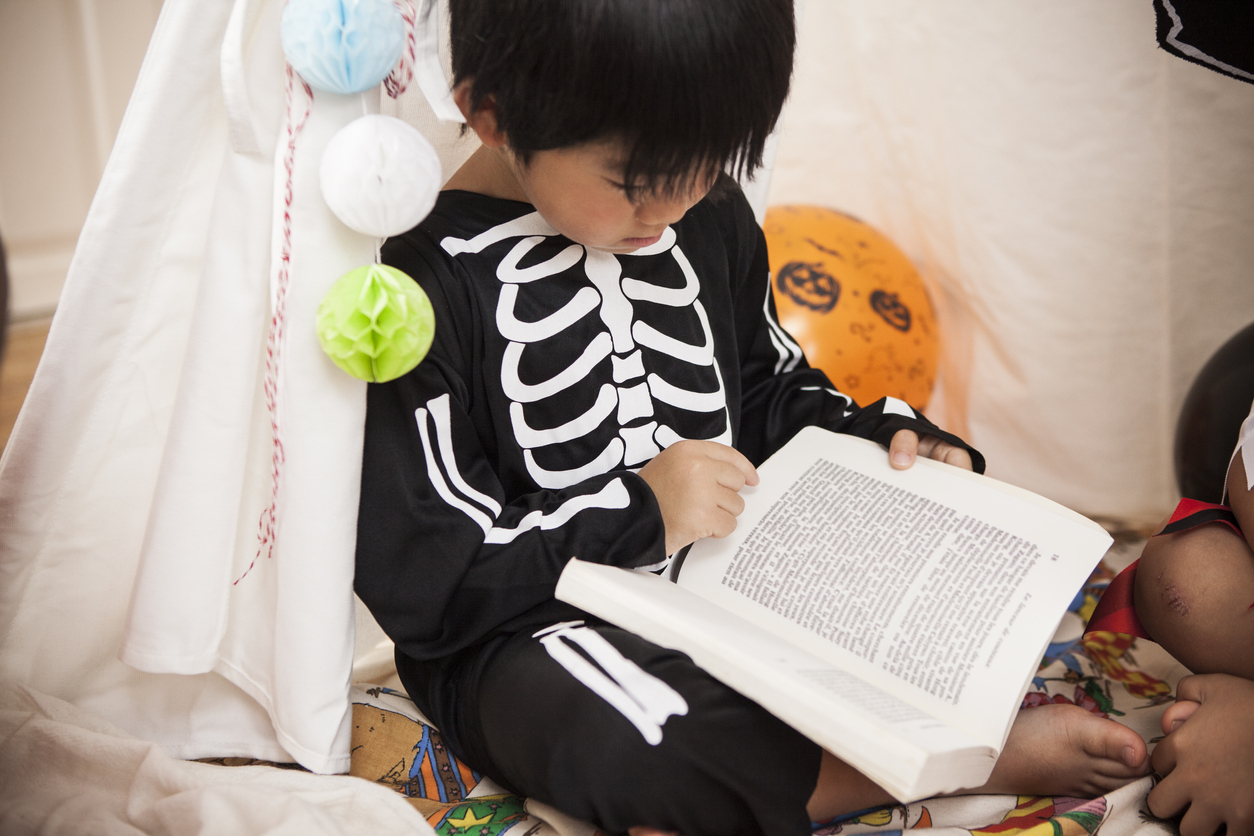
629	403
646	701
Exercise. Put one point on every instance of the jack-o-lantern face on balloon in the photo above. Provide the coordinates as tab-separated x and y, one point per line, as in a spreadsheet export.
888	306
808	286
854	302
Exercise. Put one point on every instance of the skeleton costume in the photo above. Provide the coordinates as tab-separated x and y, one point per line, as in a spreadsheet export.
557	372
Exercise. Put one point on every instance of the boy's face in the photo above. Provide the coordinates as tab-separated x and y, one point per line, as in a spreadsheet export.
581	193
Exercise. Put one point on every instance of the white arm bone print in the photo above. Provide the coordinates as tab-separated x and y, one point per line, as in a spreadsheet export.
455	490
630	401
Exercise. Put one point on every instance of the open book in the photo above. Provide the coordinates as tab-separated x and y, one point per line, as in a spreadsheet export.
894	617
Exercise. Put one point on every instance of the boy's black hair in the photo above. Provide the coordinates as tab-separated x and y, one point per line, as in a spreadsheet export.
689	86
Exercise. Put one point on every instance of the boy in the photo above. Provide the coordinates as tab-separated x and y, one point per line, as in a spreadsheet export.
606	369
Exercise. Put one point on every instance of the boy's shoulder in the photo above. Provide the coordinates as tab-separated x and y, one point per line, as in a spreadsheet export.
461	215
430	251
466	228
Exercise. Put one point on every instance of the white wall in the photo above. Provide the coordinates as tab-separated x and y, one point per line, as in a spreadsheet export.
1080	202
66	72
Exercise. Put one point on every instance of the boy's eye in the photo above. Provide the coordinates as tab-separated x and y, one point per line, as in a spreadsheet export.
632	193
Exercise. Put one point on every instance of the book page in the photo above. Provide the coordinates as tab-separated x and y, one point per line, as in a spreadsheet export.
935	584
905	750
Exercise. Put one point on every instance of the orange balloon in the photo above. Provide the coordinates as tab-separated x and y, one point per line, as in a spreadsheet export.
854	303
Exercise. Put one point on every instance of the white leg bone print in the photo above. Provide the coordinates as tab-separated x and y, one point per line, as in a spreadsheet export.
630	404
638	695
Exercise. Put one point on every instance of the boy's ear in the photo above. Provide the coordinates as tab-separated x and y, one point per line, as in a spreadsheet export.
481	120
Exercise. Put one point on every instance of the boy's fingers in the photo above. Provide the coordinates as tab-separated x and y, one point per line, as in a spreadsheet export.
957	457
1167	797
726	475
1201	820
722	524
1179	711
731	502
903	449
1163	759
723	453
1192	688
934	448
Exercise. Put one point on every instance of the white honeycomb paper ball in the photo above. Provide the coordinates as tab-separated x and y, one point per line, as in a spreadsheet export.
380	176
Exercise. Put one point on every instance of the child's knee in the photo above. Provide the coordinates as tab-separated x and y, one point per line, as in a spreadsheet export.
572	744
1193	595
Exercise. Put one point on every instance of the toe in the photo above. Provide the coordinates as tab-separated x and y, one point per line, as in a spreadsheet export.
1111	741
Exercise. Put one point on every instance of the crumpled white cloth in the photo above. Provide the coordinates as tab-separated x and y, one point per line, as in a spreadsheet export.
133	484
64	771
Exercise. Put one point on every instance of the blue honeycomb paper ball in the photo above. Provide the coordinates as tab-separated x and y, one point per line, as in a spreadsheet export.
343	46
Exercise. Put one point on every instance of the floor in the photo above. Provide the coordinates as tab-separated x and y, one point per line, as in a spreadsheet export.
22	349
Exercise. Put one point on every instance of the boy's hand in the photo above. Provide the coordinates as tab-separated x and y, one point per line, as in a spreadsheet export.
697	486
1207	757
906	445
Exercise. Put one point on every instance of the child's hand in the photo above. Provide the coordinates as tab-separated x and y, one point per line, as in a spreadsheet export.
1207	758
697	486
906	444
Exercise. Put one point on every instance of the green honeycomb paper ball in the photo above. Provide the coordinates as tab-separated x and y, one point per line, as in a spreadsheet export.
376	323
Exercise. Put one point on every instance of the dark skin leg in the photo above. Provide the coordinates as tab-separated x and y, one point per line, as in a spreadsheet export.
1194	590
1207	759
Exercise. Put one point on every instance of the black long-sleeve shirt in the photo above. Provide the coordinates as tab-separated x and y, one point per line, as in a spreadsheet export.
556	372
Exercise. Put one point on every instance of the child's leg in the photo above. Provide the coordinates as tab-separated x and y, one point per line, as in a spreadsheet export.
726	766
1193	593
681	751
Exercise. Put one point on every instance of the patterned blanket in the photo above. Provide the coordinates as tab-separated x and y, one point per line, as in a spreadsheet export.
1111	675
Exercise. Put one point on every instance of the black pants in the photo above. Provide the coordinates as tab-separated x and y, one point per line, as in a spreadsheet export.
613	729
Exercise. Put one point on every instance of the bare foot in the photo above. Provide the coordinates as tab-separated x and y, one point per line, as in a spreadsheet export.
1066	750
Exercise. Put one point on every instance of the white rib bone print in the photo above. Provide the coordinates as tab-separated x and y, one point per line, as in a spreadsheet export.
629	402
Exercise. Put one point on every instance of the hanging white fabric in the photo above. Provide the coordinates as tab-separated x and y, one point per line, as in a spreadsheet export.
181	487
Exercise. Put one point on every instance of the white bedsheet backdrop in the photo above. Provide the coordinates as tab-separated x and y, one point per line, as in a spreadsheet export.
1080	202
133	484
